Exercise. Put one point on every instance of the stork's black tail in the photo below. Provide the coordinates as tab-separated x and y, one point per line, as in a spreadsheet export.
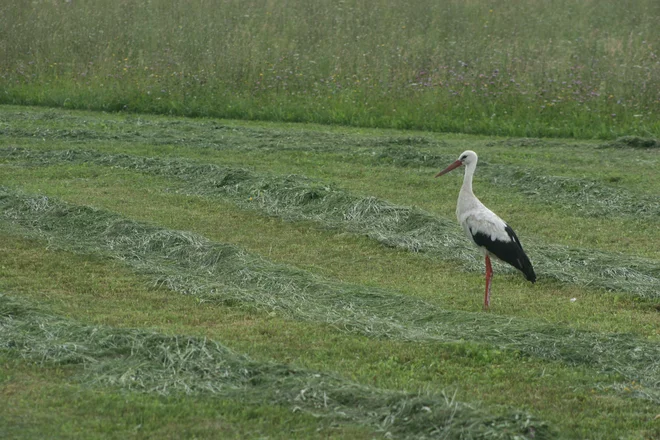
526	268
520	260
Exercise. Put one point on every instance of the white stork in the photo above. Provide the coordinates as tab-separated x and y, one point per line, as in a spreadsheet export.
486	230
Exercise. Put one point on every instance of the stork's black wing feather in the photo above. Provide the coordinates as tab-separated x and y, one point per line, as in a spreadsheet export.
508	251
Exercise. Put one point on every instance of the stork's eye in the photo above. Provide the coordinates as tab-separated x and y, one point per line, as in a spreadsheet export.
464	157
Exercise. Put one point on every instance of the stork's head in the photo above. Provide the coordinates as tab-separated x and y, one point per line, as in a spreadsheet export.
466	158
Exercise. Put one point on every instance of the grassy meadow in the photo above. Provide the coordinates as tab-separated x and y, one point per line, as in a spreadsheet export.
519	68
219	219
195	278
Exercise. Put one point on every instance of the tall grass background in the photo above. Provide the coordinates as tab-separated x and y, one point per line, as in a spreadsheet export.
524	67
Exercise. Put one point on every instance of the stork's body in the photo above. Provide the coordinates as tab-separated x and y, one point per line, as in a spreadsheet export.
485	229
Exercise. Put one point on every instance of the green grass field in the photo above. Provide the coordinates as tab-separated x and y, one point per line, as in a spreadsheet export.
164	277
518	68
219	219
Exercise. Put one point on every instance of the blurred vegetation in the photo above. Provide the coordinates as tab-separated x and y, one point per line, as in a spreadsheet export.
523	68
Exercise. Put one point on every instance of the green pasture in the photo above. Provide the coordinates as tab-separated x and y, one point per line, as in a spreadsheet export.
203	278
519	68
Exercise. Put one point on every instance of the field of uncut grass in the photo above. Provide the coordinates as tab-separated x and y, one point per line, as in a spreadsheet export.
178	278
587	69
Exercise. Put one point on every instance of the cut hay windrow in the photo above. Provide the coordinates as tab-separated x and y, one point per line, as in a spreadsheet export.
297	198
579	196
146	361
56	125
633	142
191	264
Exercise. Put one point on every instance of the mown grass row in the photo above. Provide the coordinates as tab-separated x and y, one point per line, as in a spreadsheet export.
578	195
297	198
155	363
586	197
331	252
41	401
18	122
573	397
98	291
75	125
189	264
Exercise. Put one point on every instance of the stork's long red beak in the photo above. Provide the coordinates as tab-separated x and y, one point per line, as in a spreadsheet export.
456	164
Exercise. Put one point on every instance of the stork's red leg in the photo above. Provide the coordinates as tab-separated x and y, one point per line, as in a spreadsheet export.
489	277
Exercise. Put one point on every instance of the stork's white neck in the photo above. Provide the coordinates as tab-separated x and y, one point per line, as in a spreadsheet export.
467	178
